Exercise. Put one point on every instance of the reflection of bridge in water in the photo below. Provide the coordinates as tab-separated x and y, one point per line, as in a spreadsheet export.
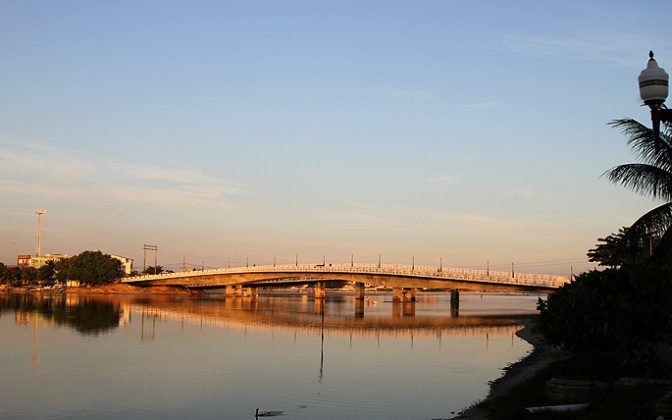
404	280
276	314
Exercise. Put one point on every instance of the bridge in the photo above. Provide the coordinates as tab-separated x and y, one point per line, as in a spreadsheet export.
404	280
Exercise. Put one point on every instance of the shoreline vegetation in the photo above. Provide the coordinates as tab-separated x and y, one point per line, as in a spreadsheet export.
626	395
540	357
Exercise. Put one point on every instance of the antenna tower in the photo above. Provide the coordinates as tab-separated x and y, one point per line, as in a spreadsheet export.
39	214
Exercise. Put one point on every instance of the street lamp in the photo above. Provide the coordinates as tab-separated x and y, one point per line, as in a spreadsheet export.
653	89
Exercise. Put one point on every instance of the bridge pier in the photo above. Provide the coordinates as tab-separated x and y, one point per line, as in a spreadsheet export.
320	290
405	309
359	291
251	292
455	303
238	290
319	306
359	308
409	295
404	294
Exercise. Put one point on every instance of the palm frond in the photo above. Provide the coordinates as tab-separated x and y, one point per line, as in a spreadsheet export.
651	150
655	222
643	179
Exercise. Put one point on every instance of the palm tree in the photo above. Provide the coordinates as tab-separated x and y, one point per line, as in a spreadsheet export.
652	177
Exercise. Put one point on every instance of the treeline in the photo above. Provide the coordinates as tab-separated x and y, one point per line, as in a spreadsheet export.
88	267
626	309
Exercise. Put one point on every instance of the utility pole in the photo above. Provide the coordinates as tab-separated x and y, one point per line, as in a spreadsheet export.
146	248
39	214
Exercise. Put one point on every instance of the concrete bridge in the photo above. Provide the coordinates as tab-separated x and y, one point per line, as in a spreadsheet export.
404	280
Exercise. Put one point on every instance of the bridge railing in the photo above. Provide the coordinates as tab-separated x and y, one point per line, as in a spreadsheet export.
432	272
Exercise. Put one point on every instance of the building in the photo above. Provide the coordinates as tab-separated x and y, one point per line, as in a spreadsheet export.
126	263
23	261
37	262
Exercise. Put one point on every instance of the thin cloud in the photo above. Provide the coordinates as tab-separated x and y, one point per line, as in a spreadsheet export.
490	104
180	176
455	182
44	161
407	93
621	49
61	174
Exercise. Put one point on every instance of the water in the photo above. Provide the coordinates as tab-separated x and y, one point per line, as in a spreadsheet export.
84	356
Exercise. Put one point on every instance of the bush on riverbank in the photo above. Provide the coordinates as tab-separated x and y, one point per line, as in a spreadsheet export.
627	311
620	403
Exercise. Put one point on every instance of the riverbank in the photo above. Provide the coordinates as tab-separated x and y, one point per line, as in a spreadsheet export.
541	356
627	393
111	288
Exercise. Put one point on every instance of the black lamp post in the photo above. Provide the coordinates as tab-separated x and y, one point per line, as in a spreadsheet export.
653	88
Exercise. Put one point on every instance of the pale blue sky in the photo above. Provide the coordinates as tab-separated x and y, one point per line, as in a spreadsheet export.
468	131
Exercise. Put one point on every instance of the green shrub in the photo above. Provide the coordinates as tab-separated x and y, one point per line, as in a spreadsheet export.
626	310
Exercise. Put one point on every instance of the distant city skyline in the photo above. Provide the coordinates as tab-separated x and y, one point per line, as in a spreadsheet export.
220	131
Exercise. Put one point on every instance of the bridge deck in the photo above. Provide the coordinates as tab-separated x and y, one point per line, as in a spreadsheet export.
393	270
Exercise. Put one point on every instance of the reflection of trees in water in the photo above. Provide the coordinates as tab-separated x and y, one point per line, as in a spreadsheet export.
86	316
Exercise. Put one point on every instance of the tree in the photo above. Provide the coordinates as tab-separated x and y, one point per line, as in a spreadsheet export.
626	311
28	275
154	270
89	267
3	273
46	272
652	177
13	275
620	248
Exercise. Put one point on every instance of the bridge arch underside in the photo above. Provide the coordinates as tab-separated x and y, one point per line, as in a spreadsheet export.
284	279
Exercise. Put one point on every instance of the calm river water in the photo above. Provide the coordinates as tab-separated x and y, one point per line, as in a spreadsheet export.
94	356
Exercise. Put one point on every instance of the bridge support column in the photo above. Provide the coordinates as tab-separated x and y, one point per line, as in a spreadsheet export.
409	295
250	292
238	290
397	294
408	308
359	308
455	303
228	290
359	291
320	290
396	309
319	306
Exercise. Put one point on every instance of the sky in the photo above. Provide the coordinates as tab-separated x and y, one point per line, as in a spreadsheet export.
470	133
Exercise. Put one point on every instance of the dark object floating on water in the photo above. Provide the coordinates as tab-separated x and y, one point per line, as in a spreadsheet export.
267	413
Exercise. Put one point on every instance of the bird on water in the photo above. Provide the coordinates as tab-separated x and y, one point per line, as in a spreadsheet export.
267	413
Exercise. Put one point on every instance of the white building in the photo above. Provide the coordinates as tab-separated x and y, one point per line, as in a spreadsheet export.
37	262
126	263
